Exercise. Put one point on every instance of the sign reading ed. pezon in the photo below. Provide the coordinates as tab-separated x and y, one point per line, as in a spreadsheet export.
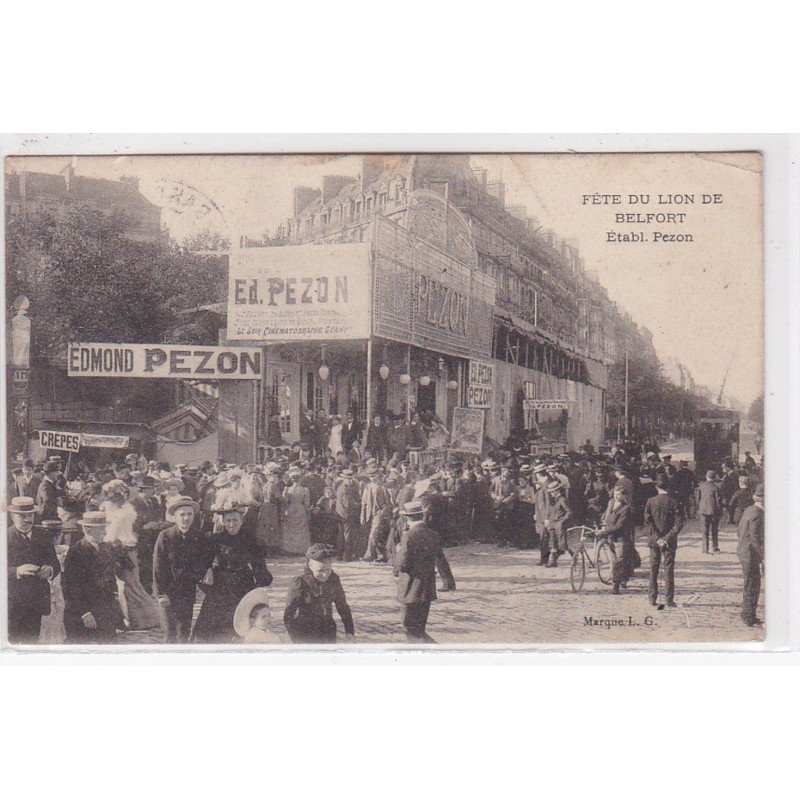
480	384
114	360
300	293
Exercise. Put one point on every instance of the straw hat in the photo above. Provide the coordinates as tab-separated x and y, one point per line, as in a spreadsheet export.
22	505
412	509
93	519
241	617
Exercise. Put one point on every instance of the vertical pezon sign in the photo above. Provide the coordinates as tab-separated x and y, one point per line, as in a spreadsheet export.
480	385
300	293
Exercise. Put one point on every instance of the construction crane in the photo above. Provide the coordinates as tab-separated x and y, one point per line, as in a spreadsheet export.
724	380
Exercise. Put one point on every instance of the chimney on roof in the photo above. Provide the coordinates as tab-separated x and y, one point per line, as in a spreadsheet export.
532	224
518	212
303	195
480	174
371	167
497	189
69	176
332	185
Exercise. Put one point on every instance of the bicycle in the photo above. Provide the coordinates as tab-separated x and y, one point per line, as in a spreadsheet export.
601	556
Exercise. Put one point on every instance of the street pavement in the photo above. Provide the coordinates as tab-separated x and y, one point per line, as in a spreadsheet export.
503	598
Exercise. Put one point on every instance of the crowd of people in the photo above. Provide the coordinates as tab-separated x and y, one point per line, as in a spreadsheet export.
137	544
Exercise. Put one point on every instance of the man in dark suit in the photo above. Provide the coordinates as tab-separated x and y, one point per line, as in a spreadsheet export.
351	432
618	524
149	523
709	506
750	550
91	611
665	520
180	561
27	484
348	510
32	561
415	568
47	493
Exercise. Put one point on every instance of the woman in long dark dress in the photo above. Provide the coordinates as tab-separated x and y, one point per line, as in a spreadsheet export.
238	567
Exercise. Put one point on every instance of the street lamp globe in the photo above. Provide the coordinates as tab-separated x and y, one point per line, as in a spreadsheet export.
405	379
383	371
324	372
424	380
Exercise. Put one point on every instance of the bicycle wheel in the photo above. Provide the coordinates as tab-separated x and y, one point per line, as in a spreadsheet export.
606	558
577	572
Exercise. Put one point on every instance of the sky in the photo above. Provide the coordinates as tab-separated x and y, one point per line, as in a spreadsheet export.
702	300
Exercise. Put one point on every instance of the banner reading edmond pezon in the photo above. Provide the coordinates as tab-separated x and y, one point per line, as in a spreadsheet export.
298	293
117	360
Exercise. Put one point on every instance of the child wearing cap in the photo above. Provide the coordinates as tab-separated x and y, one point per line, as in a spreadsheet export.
308	616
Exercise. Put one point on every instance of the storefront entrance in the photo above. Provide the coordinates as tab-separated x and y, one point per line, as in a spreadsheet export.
426	398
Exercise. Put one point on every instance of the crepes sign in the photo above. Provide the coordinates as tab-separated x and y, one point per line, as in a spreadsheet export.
72	442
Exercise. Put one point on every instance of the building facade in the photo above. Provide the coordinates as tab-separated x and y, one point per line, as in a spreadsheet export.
28	191
461	286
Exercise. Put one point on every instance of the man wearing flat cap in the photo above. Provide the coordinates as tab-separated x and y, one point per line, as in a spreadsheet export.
32	561
750	550
308	615
180	561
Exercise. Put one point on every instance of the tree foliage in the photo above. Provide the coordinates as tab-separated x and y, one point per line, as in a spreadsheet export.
653	401
87	281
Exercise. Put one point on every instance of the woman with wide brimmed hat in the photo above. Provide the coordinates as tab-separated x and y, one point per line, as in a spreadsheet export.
269	525
237	567
138	608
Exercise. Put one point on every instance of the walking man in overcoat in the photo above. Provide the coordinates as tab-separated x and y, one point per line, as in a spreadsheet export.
91	609
664	517
415	568
709	506
750	550
31	562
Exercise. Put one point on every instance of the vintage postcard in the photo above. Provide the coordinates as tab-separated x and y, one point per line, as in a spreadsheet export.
413	400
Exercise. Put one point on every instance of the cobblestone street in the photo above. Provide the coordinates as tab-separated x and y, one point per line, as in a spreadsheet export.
503	598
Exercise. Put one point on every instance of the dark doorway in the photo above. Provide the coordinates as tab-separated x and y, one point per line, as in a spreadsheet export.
426	398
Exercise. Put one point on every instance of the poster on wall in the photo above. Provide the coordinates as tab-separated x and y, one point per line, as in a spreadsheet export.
467	435
300	293
480	384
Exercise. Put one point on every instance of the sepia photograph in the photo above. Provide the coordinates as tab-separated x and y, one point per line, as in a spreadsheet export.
401	400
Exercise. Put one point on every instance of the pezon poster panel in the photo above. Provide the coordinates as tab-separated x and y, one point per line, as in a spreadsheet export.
114	360
479	385
300	293
467	434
